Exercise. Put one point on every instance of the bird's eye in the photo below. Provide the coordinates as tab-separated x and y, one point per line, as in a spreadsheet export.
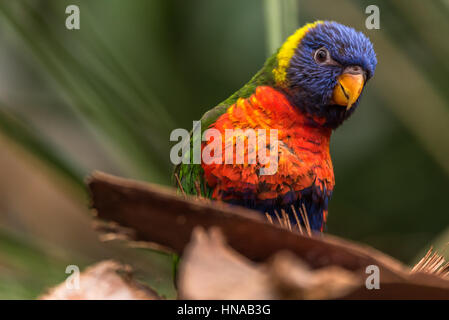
322	55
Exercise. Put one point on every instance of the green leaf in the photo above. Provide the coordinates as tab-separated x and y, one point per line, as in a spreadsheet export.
100	91
281	19
26	270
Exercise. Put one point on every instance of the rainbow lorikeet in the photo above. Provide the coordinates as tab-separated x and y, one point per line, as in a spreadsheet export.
304	91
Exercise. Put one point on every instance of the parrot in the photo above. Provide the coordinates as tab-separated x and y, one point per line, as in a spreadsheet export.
305	90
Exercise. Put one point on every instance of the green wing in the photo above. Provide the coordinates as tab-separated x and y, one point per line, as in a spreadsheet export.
191	176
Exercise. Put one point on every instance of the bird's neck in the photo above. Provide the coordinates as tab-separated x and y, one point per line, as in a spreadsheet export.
287	117
329	115
268	108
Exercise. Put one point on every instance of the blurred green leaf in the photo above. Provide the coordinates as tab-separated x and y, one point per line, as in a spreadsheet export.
100	90
26	270
440	245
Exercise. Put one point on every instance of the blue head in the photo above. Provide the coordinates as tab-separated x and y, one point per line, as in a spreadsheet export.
323	68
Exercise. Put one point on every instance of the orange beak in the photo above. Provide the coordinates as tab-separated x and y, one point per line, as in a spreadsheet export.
348	89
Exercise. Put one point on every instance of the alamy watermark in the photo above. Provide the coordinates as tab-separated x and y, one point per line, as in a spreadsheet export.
72	22
73	280
373	20
373	280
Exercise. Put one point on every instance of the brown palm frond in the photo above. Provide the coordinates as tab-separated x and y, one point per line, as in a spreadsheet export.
432	263
283	220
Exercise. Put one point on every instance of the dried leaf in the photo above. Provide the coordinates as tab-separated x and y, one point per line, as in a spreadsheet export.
211	270
432	263
293	279
107	280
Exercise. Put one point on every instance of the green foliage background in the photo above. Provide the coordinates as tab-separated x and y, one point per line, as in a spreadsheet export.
107	96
